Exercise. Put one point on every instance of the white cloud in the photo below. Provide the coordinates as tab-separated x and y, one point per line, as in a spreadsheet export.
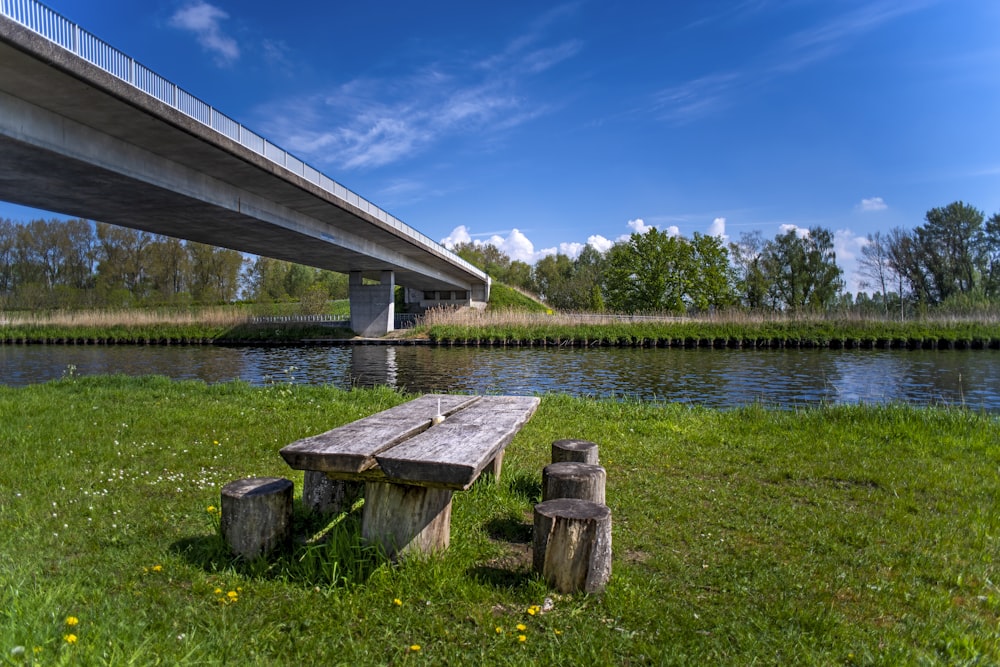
571	250
458	235
600	243
373	122
873	204
205	21
718	229
673	230
801	232
516	246
638	226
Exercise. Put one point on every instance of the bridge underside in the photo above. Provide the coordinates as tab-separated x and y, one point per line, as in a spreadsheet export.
78	141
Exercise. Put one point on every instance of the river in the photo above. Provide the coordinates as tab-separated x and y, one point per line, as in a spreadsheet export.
716	378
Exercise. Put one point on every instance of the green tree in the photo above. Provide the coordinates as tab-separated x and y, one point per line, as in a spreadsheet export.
648	273
751	281
802	270
168	269
950	249
710	282
121	268
215	273
991	257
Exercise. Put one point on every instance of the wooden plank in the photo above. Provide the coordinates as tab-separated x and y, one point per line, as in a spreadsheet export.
351	448
453	453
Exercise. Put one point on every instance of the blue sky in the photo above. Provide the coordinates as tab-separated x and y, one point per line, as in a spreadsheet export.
543	127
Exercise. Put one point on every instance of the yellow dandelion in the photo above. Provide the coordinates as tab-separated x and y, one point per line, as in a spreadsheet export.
534	609
397	602
215	442
499	630
210	509
558	632
70	639
522	638
233	595
415	647
157	568
72	620
522	627
218	591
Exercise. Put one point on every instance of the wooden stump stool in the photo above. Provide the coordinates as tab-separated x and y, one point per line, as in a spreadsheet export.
567	479
578	451
323	495
401	518
572	544
257	515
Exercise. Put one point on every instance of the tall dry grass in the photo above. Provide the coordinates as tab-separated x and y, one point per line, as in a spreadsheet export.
211	316
468	317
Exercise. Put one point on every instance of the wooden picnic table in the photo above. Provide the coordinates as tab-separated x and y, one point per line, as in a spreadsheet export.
411	461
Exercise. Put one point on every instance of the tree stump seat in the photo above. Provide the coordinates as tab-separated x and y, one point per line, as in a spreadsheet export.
411	458
257	515
577	451
572	544
568	479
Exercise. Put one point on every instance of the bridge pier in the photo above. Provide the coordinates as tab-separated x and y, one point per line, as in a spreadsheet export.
373	307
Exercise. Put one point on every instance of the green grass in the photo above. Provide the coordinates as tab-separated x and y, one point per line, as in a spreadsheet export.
839	535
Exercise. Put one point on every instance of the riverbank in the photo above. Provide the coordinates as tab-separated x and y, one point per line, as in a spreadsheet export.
850	535
520	329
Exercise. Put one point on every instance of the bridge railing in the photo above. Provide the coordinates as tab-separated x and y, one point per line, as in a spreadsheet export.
58	29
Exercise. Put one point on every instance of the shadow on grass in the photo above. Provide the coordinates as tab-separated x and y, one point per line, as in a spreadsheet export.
501	577
526	486
509	529
324	552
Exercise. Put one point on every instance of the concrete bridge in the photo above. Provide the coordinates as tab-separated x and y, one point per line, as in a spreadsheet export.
87	131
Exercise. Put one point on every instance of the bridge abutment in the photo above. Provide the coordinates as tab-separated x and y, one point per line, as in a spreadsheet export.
373	308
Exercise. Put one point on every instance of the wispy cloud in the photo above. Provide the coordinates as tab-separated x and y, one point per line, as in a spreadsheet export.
372	122
872	204
205	21
712	92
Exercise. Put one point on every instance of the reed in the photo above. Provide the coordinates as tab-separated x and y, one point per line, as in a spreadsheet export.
734	329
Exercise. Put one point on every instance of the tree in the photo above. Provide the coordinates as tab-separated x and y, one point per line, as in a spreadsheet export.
169	268
215	273
950	249
647	273
875	266
751	283
551	280
121	268
991	257
710	283
802	270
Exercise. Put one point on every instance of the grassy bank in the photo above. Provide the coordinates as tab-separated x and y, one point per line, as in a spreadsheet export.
843	535
733	331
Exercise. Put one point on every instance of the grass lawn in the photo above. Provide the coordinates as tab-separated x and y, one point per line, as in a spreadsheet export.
841	535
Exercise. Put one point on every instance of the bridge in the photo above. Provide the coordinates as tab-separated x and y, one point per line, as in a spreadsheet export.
87	131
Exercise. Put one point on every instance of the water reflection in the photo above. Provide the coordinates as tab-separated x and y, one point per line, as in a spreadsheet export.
719	378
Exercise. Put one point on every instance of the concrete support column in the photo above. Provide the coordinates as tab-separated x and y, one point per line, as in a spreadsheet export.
373	308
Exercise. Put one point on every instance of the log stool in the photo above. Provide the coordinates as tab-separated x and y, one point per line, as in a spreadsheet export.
323	495
572	544
257	515
578	451
567	479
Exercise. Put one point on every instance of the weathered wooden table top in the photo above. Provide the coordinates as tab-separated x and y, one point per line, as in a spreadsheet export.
402	445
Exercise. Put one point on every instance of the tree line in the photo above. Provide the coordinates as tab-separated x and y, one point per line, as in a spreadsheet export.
80	264
952	260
